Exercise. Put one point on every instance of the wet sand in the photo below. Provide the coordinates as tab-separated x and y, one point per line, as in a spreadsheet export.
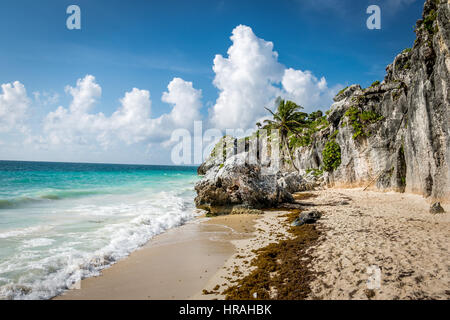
269	228
174	265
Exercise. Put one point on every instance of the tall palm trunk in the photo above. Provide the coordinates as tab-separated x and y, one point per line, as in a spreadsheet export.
286	146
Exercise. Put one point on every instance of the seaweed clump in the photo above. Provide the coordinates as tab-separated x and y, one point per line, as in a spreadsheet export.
282	270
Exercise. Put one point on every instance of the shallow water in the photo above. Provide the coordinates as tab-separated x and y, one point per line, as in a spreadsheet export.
60	222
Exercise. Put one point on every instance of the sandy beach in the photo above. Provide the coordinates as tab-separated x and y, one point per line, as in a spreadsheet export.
174	265
391	231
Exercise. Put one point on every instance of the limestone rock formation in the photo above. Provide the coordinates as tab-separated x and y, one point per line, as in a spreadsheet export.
226	145
395	134
236	183
292	182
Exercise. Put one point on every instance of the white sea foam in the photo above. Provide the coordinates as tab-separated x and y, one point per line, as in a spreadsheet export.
38	242
53	259
22	232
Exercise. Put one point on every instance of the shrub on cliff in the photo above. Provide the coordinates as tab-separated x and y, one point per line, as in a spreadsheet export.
331	155
374	84
303	136
429	22
359	120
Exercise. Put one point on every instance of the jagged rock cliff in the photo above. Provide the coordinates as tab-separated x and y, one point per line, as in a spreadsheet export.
239	184
395	134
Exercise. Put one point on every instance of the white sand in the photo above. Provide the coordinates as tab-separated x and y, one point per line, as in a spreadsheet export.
392	231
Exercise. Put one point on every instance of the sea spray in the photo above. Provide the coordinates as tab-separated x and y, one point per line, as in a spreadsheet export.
99	215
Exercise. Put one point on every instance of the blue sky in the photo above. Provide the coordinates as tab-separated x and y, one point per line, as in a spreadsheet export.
146	44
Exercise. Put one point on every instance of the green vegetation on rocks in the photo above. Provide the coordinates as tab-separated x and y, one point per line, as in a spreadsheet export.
359	120
429	21
286	119
315	172
315	122
224	144
342	91
374	84
406	50
331	155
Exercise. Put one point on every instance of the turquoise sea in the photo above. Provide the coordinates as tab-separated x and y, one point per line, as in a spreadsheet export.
61	222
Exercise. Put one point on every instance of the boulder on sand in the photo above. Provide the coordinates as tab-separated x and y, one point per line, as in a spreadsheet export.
239	183
436	208
293	182
307	218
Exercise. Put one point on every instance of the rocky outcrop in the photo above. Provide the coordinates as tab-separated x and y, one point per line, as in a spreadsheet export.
395	134
226	145
427	136
238	184
292	182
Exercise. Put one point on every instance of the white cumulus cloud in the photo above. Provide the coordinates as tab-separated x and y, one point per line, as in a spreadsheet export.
85	94
186	102
305	89
251	77
248	78
245	79
74	125
130	123
14	103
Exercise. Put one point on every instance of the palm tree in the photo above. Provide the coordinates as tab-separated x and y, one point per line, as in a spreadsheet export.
287	119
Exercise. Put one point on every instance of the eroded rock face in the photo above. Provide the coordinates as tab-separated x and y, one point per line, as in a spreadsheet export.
427	142
292	182
408	148
236	183
402	145
225	146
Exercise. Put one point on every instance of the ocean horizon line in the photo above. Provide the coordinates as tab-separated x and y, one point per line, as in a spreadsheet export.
102	163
